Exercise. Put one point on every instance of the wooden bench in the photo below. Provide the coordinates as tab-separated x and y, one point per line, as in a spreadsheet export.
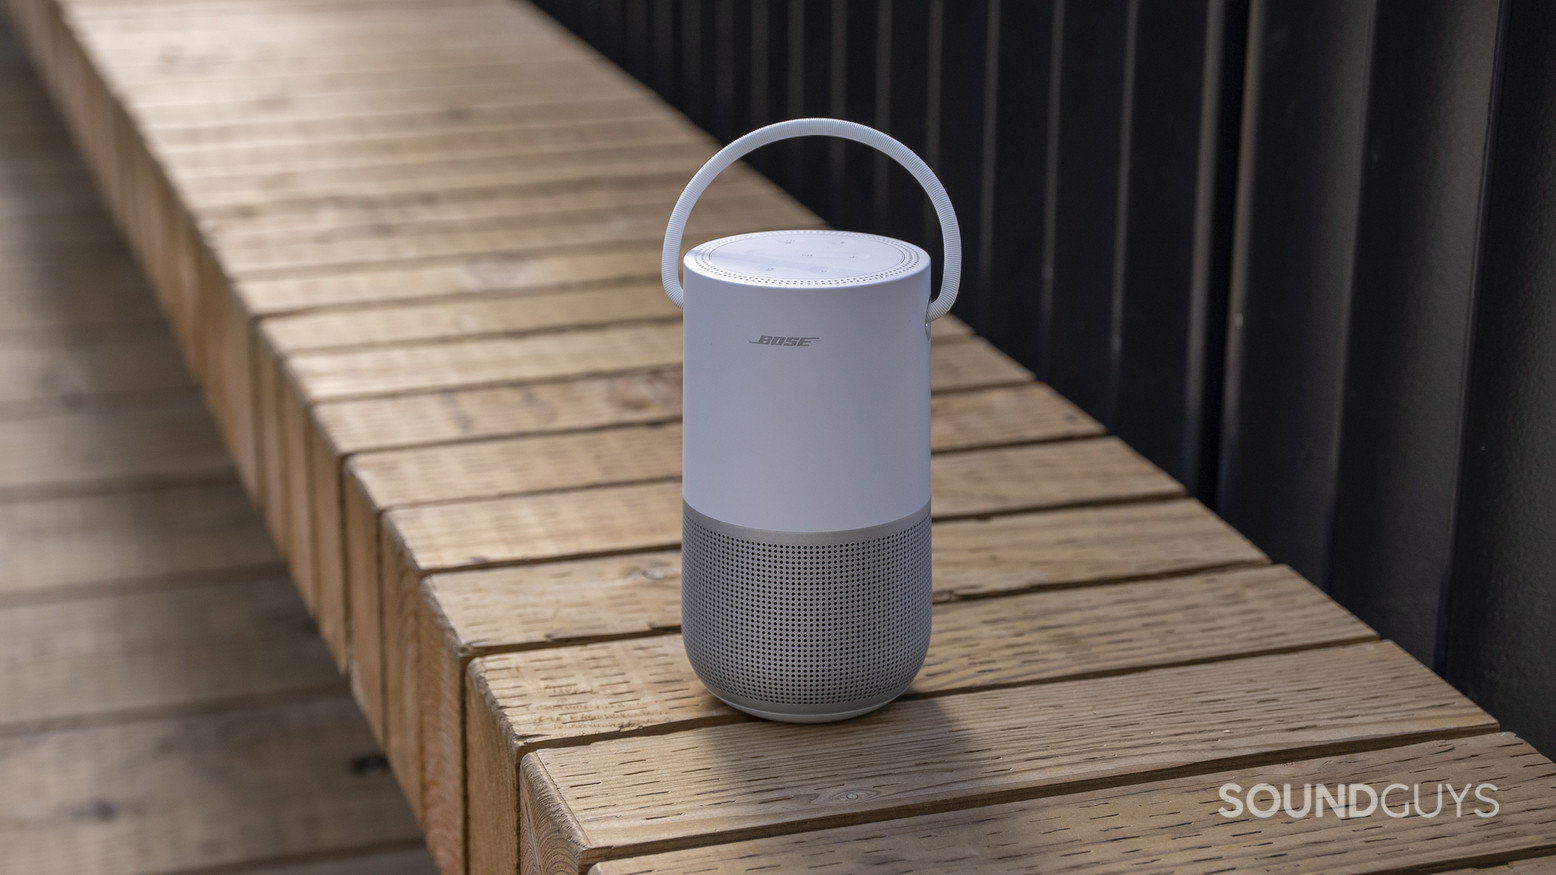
410	249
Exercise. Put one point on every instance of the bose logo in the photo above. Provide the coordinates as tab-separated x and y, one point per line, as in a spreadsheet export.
772	340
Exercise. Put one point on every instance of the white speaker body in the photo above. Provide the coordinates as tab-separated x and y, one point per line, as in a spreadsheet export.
806	555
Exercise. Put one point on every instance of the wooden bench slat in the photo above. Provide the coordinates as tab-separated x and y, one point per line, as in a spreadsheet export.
632	122
326	131
412	367
541	61
98	793
1173	825
60	546
127	654
455	318
578	231
493	272
449	415
560	82
283	223
635	795
575	695
1539	865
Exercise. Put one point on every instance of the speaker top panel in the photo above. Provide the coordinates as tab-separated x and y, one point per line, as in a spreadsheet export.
807	258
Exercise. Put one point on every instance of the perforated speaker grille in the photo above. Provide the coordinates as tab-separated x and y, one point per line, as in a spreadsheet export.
780	621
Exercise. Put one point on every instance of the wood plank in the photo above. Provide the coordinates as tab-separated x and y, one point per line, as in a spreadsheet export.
64	546
289	222
329	130
1174	825
566	80
451	318
573	231
542	60
1542	865
631	796
152	443
633	123
449	415
244	786
407	861
46	294
51	370
575	695
126	655
62	233
287	169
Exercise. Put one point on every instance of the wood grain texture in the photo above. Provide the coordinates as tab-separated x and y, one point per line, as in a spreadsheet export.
407	861
245	786
579	600
379	229
444	416
427	366
1537	865
61	370
468	316
389	215
449	415
304	168
567	696
127	655
642	516
1174	825
638	517
166	441
575	231
55	547
550	603
635	795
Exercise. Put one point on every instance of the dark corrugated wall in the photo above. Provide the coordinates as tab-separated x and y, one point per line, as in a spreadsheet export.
1300	253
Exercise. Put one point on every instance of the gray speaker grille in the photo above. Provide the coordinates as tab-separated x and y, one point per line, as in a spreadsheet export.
806	624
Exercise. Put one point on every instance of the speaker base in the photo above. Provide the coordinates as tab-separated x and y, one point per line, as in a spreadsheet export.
827	713
806	627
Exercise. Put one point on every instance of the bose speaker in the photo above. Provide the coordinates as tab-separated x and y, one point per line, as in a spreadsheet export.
806	570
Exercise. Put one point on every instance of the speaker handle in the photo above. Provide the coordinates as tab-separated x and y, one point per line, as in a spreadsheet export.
818	127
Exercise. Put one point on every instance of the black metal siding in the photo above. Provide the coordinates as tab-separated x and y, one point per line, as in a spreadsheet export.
1300	253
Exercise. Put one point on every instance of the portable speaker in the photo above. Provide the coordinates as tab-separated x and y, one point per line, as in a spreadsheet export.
806	587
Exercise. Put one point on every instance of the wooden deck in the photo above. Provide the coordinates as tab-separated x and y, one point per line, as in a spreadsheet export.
166	705
411	250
